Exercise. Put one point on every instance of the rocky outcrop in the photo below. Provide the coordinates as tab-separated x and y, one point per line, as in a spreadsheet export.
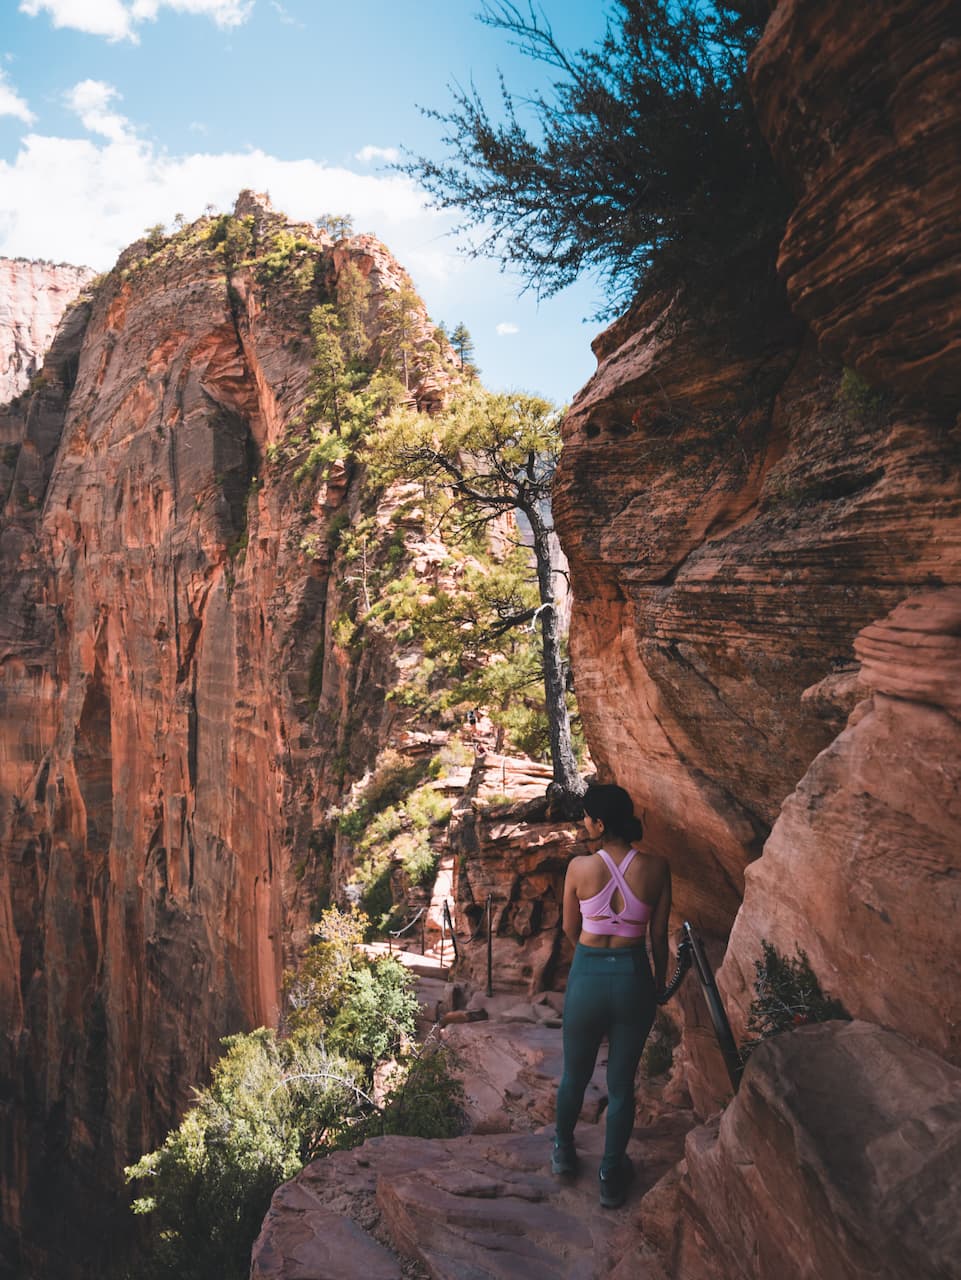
863	867
477	1206
177	714
840	1157
33	298
509	851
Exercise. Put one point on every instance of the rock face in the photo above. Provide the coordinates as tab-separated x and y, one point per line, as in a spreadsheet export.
513	853
863	868
872	252
737	507
176	715
840	1157
33	298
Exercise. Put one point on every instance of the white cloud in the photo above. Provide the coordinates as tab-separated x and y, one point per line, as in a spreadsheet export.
119	184
226	13
117	21
366	154
90	100
11	104
506	328
287	18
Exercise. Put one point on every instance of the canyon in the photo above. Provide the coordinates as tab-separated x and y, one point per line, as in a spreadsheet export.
760	502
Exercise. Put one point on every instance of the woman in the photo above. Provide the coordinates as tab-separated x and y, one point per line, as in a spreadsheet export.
611	897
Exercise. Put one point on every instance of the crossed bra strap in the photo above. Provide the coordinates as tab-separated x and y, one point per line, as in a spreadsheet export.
597	915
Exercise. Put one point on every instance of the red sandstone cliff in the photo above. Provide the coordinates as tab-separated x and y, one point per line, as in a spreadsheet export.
33	297
176	715
737	510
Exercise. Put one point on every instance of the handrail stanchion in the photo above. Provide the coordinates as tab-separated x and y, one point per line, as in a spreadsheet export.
490	944
453	933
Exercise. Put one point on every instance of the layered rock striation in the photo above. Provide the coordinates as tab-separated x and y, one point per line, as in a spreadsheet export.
738	505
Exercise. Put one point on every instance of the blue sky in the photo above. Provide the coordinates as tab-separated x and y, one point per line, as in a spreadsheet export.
117	114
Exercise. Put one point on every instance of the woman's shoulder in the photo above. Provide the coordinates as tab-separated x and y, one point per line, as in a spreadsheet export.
655	861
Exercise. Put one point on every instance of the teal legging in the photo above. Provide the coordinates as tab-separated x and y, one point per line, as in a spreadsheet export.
610	992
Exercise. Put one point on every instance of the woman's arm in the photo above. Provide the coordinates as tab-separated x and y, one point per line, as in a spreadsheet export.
659	923
572	905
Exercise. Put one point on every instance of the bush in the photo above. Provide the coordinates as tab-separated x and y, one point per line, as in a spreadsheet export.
428	1101
271	1106
376	1020
787	995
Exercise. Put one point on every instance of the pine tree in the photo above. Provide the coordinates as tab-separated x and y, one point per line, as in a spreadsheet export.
463	344
400	313
352	297
495	455
643	160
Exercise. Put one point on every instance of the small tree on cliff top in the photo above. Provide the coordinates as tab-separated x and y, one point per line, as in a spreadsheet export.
644	157
495	455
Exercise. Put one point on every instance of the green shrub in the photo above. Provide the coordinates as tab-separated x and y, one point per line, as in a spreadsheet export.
377	1016
428	1102
271	1106
865	401
787	995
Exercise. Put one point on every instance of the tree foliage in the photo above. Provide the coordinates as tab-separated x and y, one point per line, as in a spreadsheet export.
268	1109
493	455
643	160
277	1100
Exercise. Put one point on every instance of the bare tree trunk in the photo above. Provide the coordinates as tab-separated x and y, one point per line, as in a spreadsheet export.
567	779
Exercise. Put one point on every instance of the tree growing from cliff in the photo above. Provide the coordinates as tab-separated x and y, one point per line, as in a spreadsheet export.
276	1101
399	316
495	455
643	160
463	344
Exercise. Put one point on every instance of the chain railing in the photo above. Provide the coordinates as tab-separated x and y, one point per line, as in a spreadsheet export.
399	933
690	952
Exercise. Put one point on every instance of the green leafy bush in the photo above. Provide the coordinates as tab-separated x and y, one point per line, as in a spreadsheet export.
787	995
271	1105
276	1101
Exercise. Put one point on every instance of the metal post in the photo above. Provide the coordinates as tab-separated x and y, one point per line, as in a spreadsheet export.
722	1028
490	944
453	933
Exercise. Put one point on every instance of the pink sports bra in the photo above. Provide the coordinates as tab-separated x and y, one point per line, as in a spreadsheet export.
596	914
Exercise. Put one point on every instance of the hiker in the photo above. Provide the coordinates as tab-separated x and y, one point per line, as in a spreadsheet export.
611	897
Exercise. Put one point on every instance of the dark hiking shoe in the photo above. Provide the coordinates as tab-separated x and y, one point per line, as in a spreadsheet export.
614	1183
563	1159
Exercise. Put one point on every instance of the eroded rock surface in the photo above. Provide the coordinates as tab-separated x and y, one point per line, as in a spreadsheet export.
510	850
33	298
863	868
872	252
472	1208
840	1157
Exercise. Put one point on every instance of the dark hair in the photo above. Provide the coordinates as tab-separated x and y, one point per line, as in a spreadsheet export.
615	808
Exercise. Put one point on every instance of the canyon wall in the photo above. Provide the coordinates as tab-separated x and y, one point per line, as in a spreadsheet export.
33	297
742	497
177	718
